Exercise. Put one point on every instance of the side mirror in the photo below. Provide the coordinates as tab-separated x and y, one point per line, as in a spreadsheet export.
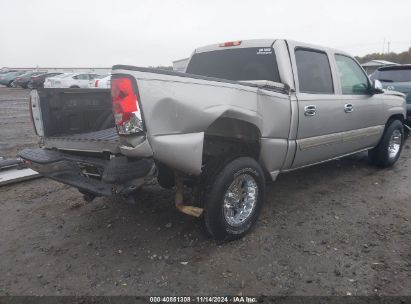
376	87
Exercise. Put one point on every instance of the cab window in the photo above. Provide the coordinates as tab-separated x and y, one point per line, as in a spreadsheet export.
352	78
314	72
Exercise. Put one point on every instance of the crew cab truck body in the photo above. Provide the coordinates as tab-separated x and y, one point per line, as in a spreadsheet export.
244	111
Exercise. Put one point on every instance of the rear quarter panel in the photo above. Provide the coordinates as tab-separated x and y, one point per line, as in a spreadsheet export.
174	107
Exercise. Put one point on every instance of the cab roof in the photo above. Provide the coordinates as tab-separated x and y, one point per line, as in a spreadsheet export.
262	43
243	44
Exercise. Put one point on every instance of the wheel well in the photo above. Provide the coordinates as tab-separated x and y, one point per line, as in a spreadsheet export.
223	139
228	136
400	117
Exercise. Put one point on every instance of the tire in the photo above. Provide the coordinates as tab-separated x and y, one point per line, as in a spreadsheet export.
74	87
387	152
221	220
9	84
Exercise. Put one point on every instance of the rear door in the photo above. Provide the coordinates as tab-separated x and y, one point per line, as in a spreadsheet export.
320	115
363	112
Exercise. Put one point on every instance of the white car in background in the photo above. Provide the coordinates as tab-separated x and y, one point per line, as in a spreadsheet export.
50	82
71	80
103	83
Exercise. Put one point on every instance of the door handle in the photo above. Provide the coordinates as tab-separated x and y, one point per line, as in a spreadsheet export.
348	108
310	110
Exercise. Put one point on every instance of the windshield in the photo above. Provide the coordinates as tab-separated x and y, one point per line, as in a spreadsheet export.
393	75
236	64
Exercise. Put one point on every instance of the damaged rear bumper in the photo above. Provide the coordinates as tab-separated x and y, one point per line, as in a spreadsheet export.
116	176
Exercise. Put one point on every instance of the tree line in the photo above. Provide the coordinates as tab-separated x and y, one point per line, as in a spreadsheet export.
404	57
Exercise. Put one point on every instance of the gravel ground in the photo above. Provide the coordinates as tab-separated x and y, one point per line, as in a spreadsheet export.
339	228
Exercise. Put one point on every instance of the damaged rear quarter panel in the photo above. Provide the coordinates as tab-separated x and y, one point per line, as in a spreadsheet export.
178	110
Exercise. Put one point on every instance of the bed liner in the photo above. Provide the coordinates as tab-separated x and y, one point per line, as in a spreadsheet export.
98	141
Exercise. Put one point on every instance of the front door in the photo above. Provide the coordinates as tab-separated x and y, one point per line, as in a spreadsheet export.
364	114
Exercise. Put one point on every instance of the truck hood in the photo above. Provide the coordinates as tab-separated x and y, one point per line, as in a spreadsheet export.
394	93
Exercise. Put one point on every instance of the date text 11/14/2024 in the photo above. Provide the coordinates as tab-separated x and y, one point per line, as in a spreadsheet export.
204	299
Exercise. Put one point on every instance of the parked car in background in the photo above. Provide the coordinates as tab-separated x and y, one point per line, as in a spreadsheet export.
396	78
8	78
24	79
7	71
55	81
102	82
37	81
78	80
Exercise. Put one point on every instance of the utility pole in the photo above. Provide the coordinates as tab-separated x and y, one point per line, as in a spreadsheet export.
383	46
388	43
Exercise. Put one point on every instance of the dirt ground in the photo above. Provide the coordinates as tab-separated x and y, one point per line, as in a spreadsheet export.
339	228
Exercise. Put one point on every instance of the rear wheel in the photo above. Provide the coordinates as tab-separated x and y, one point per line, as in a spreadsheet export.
74	87
387	152
233	198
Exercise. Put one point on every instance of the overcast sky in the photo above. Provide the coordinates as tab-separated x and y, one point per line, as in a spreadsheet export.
141	32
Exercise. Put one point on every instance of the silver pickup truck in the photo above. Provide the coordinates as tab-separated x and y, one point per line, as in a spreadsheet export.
243	112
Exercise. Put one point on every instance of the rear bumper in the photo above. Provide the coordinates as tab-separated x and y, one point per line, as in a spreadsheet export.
117	176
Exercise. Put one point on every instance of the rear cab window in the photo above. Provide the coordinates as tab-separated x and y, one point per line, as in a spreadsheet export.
314	71
239	64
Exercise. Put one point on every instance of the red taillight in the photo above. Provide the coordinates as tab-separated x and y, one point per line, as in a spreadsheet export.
125	106
230	43
96	83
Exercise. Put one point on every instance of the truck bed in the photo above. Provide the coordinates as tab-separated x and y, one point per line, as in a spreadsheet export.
97	141
77	119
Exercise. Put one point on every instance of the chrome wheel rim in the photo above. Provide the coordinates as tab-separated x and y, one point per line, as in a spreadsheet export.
394	145
240	200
